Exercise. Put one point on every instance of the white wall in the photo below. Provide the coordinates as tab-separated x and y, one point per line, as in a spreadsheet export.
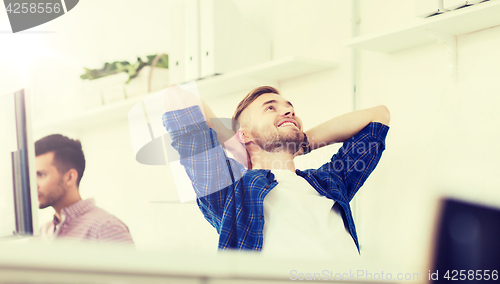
443	137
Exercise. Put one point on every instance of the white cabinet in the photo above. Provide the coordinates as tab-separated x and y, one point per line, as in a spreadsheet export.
455	4
210	37
176	62
425	8
192	39
228	41
184	45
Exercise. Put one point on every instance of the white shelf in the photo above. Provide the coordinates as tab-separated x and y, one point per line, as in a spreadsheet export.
101	115
271	72
458	22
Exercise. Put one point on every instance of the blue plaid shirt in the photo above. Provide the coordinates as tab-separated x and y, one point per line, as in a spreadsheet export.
232	197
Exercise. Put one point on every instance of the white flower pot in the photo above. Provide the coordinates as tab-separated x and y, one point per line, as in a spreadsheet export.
139	85
104	90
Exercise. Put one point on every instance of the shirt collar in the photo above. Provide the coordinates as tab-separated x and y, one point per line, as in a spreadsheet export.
79	208
261	172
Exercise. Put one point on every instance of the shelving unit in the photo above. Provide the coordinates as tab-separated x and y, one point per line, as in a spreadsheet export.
454	23
271	72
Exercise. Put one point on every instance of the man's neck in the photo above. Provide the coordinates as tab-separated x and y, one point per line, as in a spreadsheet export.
67	201
272	161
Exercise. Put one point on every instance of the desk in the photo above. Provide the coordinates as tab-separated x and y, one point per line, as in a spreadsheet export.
89	263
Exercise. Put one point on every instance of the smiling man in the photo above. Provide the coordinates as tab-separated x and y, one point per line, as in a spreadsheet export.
60	164
265	203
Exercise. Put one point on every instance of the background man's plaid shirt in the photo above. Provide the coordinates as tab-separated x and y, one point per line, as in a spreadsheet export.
232	197
83	221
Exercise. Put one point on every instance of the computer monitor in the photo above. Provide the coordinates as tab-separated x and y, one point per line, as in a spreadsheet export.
467	245
18	189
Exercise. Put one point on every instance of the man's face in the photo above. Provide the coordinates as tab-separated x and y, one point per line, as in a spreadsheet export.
49	181
273	124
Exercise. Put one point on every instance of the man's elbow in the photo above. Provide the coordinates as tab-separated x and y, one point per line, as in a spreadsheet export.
382	115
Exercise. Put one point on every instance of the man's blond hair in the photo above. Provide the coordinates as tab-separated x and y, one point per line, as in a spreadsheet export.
247	100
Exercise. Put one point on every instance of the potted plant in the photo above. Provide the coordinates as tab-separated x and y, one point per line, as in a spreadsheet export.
120	79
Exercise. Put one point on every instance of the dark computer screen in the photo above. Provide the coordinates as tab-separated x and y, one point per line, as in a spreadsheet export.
18	195
468	243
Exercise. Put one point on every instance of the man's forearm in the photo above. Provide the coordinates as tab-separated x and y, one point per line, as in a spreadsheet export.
343	127
226	136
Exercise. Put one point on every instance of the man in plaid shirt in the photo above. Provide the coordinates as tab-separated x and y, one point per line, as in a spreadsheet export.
60	164
259	200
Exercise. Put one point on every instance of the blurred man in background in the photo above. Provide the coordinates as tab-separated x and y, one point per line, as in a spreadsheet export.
60	164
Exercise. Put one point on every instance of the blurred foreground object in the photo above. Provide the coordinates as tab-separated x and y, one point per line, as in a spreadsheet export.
467	242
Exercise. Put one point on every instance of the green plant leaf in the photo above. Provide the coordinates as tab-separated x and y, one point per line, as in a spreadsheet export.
124	66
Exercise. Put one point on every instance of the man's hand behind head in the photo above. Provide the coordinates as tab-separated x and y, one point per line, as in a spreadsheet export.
180	97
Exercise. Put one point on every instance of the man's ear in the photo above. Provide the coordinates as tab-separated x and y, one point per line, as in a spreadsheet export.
70	177
240	136
243	137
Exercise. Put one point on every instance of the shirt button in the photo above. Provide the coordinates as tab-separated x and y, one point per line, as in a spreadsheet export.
261	216
267	186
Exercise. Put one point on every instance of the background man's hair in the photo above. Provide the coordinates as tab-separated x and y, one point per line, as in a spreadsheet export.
252	96
68	153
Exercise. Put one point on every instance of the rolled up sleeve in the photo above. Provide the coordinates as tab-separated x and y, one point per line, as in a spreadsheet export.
358	157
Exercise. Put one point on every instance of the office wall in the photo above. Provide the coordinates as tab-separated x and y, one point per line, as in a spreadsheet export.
443	138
